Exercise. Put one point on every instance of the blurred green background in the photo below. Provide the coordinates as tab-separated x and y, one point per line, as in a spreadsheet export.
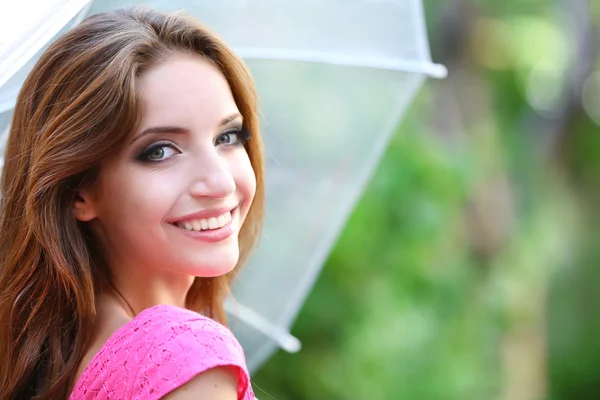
469	268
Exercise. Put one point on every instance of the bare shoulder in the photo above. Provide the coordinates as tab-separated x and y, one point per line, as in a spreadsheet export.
219	383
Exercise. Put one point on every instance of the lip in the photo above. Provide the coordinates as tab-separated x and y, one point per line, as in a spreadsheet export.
211	235
204	214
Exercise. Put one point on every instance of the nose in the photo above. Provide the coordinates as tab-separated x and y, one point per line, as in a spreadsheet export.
211	177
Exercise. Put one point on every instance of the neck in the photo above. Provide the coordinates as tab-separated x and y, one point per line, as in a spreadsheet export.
137	293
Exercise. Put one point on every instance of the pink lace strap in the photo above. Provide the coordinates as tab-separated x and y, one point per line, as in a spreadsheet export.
158	351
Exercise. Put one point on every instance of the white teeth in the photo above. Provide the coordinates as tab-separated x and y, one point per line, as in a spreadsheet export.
196	225
205	224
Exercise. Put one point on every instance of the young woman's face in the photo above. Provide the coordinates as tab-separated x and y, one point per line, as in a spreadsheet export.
177	194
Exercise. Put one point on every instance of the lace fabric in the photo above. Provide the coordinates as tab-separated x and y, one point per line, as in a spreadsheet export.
158	351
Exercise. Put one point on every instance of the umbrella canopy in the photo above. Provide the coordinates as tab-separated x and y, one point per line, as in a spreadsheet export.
334	78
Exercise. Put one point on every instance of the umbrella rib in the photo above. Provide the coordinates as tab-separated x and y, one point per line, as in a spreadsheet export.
393	64
284	339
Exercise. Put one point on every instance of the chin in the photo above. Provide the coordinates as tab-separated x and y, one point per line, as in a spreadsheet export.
213	266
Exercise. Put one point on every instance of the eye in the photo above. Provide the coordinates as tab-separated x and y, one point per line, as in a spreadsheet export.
233	137
158	152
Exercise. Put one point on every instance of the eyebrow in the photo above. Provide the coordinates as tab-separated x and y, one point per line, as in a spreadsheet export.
182	130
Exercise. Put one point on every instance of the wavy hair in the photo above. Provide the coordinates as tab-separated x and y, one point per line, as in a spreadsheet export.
75	108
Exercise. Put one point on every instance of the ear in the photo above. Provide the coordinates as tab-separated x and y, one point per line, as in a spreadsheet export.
84	206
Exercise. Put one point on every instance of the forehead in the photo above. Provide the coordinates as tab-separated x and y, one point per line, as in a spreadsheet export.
185	89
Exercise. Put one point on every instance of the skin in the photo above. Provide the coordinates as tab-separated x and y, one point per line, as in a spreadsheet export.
130	206
138	194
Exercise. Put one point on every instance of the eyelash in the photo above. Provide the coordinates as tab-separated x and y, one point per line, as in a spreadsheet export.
242	134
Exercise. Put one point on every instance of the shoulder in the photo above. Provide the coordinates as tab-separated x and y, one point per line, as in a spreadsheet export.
216	383
165	348
164	324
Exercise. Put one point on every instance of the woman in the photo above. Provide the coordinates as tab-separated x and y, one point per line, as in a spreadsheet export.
132	191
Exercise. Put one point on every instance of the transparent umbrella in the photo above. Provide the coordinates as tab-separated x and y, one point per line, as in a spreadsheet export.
334	78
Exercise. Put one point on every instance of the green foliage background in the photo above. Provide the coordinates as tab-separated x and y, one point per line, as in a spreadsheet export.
468	269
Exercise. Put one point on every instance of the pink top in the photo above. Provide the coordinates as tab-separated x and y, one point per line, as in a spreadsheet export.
158	351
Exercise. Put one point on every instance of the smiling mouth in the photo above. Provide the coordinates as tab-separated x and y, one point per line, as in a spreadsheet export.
206	224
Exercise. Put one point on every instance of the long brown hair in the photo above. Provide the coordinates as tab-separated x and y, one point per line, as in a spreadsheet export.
75	108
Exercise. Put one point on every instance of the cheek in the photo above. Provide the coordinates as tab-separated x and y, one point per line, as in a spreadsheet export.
134	198
245	180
